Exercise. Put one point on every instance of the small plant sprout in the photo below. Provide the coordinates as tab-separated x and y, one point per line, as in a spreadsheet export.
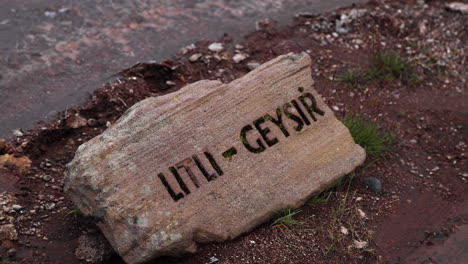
287	219
351	77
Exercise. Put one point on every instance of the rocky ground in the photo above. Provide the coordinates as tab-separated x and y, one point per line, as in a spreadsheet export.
420	215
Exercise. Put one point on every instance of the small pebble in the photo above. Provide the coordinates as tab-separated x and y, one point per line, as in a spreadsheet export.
253	65
216	47
212	260
239	57
195	57
374	184
18	133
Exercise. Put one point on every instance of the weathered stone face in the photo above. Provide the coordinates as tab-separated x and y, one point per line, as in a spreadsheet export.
211	161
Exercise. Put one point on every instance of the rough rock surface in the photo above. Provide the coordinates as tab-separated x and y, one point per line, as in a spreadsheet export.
211	161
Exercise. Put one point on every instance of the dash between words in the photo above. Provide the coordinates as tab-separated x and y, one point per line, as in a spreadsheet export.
257	145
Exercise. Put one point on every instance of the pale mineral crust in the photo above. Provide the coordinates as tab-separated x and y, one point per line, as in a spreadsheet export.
211	161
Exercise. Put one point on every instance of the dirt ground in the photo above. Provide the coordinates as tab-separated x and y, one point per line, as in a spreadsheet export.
421	216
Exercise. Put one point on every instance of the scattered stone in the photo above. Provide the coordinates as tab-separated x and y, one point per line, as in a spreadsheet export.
50	14
195	57
216	47
457	7
239	57
239	47
341	25
161	185
361	213
186	49
75	120
50	206
212	260
6	148
359	244
92	122
93	248
374	184
8	232
18	133
16	207
47	178
20	162
344	230
11	252
253	65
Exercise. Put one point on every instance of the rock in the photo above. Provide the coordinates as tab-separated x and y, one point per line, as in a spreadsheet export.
344	230
22	163
49	206
92	122
11	252
239	57
239	47
195	57
186	49
8	232
457	7
216	47
47	178
374	184
212	260
253	65
361	214
50	14
359	244
6	148
17	133
16	207
210	161
75	120
341	25
93	248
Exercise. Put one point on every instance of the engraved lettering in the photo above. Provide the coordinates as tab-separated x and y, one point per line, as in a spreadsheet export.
243	136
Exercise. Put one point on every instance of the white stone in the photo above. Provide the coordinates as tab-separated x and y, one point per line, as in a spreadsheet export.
216	47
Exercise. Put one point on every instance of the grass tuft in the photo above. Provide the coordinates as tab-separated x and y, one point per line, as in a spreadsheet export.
389	65
351	77
287	219
368	135
319	199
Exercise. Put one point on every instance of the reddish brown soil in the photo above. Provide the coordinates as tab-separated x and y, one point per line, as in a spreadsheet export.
420	217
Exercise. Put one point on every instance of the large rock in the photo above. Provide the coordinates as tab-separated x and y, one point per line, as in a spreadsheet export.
211	161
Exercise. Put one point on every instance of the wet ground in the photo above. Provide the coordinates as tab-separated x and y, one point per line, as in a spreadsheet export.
54	52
